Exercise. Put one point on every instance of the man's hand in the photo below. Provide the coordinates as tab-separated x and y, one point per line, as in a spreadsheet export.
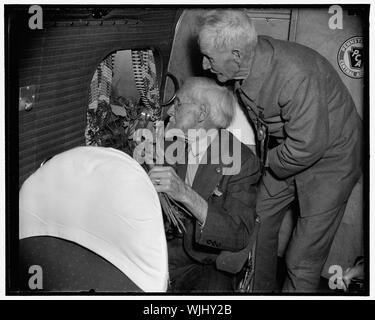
165	179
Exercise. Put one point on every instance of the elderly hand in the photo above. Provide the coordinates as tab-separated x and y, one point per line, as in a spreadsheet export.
165	179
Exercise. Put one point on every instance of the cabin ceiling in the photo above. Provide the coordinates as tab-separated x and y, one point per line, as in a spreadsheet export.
98	12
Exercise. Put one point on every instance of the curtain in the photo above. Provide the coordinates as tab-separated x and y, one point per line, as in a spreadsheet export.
144	70
99	98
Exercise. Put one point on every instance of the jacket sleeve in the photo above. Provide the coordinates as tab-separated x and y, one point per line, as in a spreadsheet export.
305	111
230	216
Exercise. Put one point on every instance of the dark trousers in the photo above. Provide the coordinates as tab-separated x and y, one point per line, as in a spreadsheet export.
308	248
187	275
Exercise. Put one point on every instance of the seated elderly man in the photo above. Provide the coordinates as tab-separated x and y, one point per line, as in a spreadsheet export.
220	198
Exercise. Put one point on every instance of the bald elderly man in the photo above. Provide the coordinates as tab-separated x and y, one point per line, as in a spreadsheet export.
308	139
219	196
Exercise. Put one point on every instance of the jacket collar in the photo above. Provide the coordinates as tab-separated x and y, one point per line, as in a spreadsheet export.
260	67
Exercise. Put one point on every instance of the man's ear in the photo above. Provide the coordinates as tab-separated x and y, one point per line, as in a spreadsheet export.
237	56
203	113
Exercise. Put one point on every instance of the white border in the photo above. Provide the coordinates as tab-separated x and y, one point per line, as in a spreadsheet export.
192	297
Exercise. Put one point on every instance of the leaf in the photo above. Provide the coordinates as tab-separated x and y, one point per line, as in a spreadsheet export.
118	110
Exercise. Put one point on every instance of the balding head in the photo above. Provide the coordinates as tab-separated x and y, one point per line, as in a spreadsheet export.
202	103
227	29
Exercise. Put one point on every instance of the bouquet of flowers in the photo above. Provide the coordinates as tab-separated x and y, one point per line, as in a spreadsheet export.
114	125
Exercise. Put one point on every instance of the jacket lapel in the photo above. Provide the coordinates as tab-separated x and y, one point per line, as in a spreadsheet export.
182	167
209	175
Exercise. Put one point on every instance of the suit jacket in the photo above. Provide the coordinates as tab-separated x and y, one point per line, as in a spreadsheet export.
311	114
231	204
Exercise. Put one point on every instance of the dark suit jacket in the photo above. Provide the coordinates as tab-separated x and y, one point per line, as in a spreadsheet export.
310	112
231	203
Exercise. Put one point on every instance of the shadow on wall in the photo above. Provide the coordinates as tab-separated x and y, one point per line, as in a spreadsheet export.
186	59
195	57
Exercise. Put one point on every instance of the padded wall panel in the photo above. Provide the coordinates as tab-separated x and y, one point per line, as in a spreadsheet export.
60	60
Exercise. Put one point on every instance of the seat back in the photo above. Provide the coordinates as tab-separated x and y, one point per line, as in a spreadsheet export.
67	266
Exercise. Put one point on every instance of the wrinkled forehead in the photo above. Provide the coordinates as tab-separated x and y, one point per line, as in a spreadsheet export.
206	32
185	94
210	47
206	39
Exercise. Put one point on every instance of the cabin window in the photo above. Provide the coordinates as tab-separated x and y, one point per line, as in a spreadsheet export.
124	96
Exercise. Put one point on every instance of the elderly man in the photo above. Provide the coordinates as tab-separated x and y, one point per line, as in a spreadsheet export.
309	140
222	202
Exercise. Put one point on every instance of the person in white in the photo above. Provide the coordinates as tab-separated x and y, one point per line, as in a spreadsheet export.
103	200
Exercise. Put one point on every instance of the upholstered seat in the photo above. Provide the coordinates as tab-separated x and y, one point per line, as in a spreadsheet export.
69	267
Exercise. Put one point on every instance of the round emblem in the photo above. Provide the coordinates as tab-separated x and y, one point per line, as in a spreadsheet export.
350	57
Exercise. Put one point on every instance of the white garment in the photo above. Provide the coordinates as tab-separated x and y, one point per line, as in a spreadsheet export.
241	128
102	199
197	149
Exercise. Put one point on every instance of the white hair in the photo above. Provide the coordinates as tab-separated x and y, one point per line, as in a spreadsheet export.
220	100
227	29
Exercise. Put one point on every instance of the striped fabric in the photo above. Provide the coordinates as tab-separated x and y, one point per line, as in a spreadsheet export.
100	90
144	70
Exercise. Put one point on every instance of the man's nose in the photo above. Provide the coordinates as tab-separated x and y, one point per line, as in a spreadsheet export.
205	63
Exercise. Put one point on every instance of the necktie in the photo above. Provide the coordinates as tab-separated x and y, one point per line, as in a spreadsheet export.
192	166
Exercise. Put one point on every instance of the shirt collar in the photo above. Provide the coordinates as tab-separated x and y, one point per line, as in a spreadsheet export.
204	138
